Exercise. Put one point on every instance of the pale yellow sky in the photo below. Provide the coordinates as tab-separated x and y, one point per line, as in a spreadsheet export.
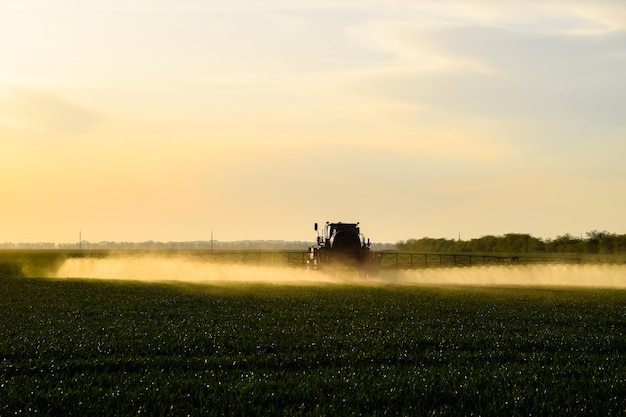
162	120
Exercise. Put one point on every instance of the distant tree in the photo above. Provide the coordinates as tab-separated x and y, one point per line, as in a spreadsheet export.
619	244
607	244
461	246
519	243
426	244
486	243
593	241
566	244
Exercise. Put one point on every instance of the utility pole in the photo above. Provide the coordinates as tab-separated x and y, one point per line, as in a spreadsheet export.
211	240
80	239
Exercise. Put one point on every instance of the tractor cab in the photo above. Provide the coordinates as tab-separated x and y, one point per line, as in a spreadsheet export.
341	235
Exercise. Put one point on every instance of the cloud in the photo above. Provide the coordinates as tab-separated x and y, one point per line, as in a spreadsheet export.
498	73
215	6
594	18
43	111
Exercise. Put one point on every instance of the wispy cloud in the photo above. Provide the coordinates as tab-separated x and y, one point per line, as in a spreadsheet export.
45	112
217	6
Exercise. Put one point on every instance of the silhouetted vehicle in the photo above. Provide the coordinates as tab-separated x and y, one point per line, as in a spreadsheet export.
341	245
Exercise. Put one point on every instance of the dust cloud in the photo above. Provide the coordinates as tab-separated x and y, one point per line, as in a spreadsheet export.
601	276
188	269
153	268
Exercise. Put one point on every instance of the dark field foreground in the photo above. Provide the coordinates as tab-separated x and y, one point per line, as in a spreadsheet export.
103	348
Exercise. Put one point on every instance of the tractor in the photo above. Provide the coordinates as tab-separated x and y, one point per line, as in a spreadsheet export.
341	245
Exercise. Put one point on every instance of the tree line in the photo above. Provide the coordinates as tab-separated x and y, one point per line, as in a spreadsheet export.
156	245
277	245
594	242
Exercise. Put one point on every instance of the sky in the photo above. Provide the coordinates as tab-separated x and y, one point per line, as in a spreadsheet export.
135	120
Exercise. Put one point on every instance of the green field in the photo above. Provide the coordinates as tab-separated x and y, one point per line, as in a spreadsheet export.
103	348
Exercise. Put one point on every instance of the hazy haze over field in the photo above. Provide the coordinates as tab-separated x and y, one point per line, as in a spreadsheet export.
154	268
164	120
